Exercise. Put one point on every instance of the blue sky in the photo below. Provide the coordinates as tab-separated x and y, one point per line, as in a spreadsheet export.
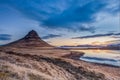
61	22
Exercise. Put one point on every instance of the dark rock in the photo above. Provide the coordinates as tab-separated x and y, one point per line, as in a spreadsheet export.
74	55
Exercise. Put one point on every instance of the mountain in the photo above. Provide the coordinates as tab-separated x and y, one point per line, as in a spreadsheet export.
32	39
86	46
113	46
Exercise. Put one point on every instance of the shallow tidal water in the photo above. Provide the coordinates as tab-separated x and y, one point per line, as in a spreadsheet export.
109	57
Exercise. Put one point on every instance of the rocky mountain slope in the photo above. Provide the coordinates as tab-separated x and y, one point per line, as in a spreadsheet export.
32	39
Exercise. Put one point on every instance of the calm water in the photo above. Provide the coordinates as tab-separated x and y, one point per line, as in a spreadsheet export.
111	57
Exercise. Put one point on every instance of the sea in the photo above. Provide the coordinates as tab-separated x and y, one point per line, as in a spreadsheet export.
107	57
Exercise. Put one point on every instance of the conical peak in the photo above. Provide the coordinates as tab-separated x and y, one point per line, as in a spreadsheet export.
30	40
33	31
32	34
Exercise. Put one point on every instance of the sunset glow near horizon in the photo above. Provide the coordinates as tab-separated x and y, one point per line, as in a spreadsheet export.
61	22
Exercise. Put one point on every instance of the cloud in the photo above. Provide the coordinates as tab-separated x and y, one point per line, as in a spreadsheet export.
75	16
65	14
4	37
86	28
61	13
97	35
49	36
75	13
113	41
116	37
113	7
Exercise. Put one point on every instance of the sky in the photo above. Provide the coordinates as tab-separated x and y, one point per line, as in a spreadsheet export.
61	22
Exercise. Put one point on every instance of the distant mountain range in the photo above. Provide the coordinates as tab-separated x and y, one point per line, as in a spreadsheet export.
110	46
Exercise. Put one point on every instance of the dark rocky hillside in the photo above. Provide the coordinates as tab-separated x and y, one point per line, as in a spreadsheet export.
32	39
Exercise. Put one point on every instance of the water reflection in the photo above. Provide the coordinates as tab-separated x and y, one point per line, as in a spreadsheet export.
111	57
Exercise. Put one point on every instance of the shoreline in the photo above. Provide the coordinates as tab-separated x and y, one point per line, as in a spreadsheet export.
107	70
90	48
77	55
101	64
